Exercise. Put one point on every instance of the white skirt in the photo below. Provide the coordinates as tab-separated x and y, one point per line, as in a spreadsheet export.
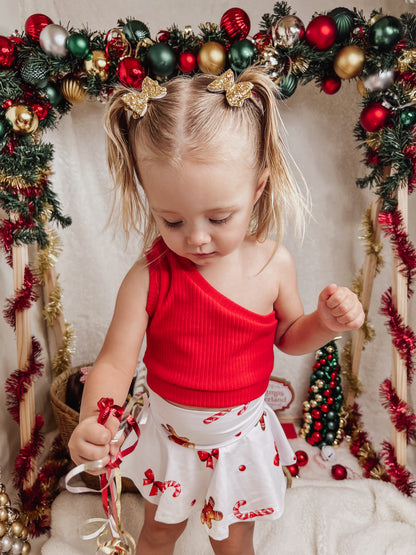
227	465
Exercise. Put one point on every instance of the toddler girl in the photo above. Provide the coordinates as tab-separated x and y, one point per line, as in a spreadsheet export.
199	167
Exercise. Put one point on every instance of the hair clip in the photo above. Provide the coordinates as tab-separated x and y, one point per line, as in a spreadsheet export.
235	93
137	101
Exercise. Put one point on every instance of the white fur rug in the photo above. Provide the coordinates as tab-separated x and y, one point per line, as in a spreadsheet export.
322	517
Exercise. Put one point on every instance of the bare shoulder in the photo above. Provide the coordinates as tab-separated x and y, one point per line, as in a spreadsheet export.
135	286
277	258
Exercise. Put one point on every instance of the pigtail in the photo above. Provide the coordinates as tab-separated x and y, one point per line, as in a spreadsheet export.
283	197
129	207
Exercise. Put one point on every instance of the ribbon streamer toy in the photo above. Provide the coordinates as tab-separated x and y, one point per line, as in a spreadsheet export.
111	538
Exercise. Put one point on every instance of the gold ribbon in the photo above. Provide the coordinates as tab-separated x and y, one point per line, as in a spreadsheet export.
235	93
137	101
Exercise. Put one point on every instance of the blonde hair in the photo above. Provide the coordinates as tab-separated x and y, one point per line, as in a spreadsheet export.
188	123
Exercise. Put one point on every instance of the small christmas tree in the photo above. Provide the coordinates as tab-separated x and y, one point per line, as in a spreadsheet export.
323	415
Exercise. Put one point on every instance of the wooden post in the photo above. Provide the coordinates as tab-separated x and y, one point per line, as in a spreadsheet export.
368	276
24	348
399	298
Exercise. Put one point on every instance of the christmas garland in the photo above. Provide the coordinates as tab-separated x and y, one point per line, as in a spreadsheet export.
48	68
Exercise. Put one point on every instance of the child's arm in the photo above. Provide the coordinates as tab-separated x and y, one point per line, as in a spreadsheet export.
297	333
114	368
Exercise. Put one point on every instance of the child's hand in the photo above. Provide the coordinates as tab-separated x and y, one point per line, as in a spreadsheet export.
91	441
339	309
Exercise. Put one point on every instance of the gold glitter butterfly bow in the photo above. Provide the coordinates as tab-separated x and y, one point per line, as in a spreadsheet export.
137	101
235	93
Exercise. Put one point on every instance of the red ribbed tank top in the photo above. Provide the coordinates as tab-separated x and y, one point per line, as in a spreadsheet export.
202	348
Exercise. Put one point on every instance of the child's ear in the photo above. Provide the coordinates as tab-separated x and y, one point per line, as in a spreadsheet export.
261	183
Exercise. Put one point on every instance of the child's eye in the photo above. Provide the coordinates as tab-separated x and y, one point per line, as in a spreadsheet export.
221	221
172	224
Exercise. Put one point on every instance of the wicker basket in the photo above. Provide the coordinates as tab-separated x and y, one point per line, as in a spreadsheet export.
67	419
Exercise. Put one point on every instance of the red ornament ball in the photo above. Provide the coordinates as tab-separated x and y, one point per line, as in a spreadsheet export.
338	472
131	72
293	469
7	52
187	62
301	458
374	117
236	24
242	467
321	32
331	85
35	24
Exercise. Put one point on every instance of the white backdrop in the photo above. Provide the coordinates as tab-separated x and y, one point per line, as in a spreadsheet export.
93	261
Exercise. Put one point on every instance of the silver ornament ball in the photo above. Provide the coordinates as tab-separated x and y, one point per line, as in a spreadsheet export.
52	40
379	81
287	31
6	544
17	546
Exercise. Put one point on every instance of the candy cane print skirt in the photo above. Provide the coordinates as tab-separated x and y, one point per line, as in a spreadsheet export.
226	464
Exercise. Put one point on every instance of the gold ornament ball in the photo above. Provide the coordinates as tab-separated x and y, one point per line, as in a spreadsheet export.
349	62
24	121
4	499
313	403
3	529
73	91
361	88
315	388
212	58
320	383
17	528
307	418
302	434
306	405
318	398
97	65
25	548
4	515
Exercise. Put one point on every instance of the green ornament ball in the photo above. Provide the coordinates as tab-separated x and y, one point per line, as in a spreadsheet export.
242	54
287	87
408	116
3	128
344	20
330	437
332	425
161	60
136	31
78	45
53	94
386	32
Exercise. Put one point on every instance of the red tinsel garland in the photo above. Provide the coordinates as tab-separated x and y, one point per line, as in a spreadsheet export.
401	414
403	337
22	299
392	225
20	380
28	453
399	476
8	228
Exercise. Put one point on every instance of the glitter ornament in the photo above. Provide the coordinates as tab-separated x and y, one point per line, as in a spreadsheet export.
212	58
287	31
53	39
236	24
321	32
7	52
35	24
349	62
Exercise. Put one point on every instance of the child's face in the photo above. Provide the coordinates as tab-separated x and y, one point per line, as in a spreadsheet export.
202	210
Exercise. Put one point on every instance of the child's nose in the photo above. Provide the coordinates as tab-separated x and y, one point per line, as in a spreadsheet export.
198	237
